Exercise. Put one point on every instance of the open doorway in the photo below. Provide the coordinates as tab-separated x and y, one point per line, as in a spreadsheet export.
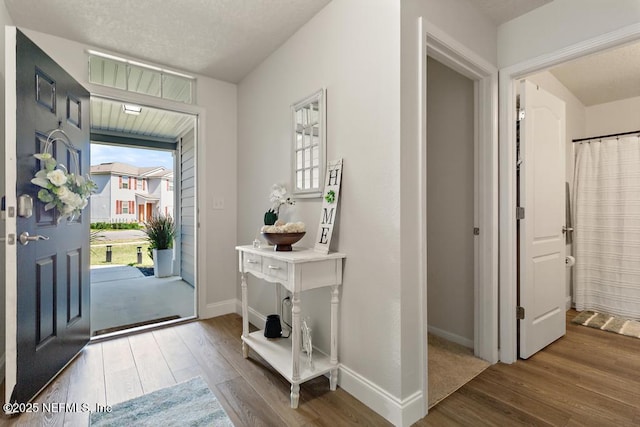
474	82
600	94
451	219
143	164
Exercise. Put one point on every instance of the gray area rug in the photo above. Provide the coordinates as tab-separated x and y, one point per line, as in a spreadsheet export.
608	323
190	403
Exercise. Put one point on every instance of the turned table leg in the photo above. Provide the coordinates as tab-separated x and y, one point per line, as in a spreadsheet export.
295	348
295	395
245	315
333	358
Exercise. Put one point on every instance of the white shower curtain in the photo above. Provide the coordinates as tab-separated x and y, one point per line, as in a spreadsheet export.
607	226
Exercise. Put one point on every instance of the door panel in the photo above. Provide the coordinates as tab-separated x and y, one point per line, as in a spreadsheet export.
542	243
50	324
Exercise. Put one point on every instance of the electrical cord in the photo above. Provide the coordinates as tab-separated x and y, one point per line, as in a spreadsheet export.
283	311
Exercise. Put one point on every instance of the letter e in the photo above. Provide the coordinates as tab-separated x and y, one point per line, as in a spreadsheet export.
323	235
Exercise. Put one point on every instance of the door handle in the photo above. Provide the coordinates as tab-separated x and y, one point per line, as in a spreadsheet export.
565	229
25	238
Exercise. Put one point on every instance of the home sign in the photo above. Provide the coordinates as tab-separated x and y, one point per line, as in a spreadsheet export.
330	197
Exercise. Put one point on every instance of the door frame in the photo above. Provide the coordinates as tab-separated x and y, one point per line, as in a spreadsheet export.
439	45
508	79
11	253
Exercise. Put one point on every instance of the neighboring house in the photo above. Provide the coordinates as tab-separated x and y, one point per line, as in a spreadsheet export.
129	193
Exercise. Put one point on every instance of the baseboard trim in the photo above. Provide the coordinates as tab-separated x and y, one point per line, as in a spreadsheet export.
218	309
257	319
450	337
399	412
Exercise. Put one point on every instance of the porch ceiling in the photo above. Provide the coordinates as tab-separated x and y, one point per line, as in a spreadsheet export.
107	116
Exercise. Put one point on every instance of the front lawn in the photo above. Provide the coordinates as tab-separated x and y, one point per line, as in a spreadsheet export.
120	254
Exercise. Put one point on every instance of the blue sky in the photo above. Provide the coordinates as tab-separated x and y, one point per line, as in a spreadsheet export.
133	156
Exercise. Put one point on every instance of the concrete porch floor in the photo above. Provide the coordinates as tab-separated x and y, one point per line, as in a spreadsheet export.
122	295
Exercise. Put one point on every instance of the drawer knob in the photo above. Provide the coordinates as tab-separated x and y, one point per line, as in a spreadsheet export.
274	267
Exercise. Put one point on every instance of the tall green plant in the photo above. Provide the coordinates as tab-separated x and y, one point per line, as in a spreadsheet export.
160	231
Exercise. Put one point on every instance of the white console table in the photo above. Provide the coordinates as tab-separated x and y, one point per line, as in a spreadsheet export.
298	271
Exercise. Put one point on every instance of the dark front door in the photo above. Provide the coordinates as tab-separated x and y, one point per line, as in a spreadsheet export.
51	323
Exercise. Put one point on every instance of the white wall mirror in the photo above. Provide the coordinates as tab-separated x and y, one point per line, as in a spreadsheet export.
309	145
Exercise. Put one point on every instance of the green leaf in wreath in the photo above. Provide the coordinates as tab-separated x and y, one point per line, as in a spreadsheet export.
330	197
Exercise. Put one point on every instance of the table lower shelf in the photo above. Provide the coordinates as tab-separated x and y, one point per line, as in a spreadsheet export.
277	352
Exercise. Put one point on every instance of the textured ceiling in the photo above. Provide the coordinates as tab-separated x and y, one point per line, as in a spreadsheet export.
501	11
223	39
603	77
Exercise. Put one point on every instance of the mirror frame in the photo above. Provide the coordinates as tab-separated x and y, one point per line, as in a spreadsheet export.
319	97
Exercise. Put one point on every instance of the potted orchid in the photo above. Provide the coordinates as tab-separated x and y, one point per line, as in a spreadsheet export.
67	192
278	197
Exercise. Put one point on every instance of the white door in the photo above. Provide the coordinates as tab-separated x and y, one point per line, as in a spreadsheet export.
542	195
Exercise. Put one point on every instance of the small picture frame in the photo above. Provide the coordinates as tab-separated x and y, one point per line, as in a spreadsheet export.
329	212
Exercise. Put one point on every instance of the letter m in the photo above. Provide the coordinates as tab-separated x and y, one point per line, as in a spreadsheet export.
327	215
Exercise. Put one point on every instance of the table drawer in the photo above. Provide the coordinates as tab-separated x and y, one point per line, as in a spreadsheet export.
252	262
275	268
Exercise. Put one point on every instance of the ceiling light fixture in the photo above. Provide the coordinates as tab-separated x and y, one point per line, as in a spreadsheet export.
131	109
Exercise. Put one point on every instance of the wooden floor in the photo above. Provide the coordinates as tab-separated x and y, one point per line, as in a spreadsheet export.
589	377
251	392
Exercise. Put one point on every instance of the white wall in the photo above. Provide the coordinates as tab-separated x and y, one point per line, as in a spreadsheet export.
450	203
4	20
559	24
576	124
217	171
351	48
613	117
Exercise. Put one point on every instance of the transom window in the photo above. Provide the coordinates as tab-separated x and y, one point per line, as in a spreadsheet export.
132	76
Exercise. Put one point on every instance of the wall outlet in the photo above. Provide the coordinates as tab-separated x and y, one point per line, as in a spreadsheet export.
217	203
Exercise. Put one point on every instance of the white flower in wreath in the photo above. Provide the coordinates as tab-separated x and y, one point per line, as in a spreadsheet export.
57	177
67	192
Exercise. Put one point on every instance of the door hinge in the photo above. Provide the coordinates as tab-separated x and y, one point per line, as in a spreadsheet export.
521	115
519	213
476	231
520	313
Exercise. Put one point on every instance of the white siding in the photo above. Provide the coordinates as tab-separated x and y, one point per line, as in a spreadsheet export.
101	199
187	208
